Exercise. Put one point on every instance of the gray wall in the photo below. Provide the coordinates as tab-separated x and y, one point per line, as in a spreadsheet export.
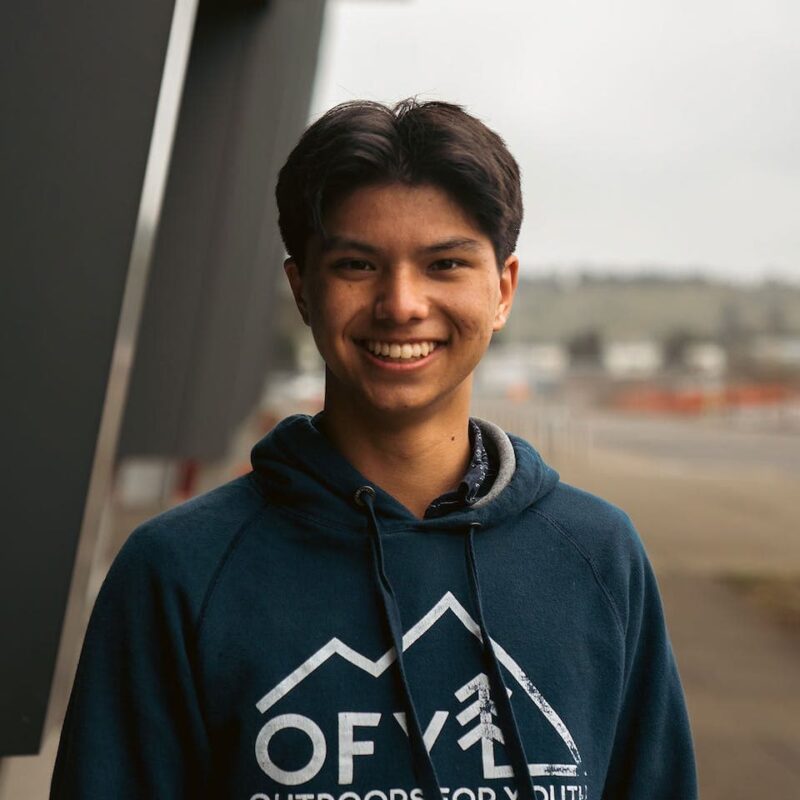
79	86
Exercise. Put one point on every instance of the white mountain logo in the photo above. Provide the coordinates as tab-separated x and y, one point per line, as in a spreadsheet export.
481	711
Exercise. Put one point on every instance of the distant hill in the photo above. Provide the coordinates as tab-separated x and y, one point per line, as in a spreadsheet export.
650	307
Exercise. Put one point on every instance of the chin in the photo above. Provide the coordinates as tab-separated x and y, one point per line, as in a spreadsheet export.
394	404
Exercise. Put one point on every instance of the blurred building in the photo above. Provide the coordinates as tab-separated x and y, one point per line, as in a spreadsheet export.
641	359
706	358
781	351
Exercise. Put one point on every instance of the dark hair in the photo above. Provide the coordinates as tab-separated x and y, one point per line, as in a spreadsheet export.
361	143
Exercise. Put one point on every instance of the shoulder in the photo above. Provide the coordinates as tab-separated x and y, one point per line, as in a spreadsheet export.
597	526
180	550
201	527
605	537
205	520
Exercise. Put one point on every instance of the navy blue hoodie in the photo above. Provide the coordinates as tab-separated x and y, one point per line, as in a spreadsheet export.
297	634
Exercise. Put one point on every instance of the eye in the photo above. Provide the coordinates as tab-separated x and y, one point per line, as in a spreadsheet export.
446	265
356	264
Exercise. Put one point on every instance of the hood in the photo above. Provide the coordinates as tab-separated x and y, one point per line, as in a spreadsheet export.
298	466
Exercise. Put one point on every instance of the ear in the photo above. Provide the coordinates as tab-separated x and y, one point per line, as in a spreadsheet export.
292	270
509	276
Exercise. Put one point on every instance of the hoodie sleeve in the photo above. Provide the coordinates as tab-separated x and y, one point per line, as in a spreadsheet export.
134	726
652	754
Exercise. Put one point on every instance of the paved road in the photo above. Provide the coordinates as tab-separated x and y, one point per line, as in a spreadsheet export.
698	442
740	676
706	442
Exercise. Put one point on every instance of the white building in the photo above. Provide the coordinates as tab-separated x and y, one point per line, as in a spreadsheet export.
706	358
640	359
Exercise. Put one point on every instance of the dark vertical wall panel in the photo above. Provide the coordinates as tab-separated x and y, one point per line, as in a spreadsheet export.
203	346
78	87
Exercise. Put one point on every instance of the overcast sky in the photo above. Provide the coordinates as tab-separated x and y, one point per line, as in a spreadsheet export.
649	132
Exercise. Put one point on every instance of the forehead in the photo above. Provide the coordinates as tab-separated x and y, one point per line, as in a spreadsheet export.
392	215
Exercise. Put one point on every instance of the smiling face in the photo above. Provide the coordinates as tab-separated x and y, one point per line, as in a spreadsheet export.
402	298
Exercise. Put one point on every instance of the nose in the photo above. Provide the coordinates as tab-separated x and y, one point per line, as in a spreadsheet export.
401	297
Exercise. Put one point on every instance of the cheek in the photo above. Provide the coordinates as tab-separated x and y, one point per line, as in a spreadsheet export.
473	329
333	313
476	319
323	305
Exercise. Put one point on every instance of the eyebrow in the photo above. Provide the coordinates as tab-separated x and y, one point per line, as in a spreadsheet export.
344	243
457	243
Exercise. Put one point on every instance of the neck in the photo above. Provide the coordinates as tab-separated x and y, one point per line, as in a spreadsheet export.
415	460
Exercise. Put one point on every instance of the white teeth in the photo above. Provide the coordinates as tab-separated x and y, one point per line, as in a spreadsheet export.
404	351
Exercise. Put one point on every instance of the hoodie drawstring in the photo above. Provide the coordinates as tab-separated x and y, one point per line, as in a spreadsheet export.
423	765
497	687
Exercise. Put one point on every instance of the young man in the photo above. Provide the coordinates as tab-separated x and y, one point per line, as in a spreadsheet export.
398	602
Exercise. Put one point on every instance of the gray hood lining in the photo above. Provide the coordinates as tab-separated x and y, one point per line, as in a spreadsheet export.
506	456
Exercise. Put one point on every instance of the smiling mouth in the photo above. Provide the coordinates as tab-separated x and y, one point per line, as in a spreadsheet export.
400	351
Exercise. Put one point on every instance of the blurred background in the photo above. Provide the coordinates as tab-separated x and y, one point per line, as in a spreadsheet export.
653	355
